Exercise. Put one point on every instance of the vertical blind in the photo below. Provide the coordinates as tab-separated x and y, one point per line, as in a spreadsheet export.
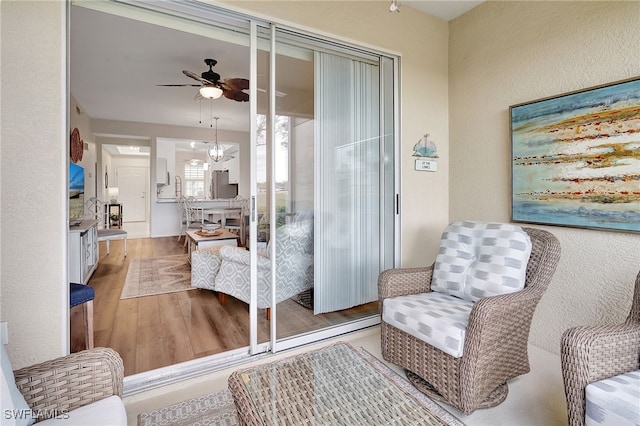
347	154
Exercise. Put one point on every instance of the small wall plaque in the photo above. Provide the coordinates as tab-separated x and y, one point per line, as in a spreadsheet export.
426	165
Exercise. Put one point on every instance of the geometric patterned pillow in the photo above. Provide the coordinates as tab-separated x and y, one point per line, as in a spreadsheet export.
479	259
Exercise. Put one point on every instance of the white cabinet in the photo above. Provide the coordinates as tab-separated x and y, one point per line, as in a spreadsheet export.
83	251
162	175
234	170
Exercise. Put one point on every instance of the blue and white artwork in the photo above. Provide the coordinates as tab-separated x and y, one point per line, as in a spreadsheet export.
576	159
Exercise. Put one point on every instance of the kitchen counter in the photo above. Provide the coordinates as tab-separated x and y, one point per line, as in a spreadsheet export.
165	215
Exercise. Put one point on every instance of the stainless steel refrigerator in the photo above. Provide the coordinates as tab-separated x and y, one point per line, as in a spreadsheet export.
220	186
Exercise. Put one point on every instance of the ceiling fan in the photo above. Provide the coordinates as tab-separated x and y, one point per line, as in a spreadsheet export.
212	87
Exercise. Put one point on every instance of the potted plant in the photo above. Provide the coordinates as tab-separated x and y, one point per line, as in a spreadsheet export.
116	219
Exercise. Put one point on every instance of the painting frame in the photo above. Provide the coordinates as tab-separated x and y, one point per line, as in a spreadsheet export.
575	158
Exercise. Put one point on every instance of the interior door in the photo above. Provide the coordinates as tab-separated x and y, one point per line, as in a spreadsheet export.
133	182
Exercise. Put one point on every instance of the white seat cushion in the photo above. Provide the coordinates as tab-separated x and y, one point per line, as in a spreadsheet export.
478	259
15	411
614	401
106	412
435	318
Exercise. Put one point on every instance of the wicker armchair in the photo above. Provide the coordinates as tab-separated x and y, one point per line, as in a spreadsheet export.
592	353
73	381
495	345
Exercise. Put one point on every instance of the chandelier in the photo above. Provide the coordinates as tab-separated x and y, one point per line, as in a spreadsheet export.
216	151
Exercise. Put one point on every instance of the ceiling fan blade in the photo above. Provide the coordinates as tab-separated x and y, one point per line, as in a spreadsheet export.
236	95
196	77
235	84
232	88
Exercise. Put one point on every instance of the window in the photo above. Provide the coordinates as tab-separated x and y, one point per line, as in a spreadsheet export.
194	179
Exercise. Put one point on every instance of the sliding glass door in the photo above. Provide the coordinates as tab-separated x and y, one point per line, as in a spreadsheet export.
326	189
314	153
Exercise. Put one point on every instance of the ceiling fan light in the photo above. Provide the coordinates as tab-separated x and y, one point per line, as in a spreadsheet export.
210	92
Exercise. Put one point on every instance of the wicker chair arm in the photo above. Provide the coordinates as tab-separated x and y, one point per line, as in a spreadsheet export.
72	381
488	361
404	281
593	353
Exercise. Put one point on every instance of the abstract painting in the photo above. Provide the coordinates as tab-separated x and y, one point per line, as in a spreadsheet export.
576	158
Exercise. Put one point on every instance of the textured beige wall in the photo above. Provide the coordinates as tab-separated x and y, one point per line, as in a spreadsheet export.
32	168
422	42
505	53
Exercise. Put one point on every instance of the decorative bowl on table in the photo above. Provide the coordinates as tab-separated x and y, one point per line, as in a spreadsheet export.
209	230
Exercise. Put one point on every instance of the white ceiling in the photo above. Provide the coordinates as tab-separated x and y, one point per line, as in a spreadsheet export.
446	10
116	65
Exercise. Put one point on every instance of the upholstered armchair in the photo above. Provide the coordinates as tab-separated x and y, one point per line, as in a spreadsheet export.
78	389
460	327
294	267
205	264
601	370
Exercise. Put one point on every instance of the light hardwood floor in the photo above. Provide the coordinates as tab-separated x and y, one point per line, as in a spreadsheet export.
155	331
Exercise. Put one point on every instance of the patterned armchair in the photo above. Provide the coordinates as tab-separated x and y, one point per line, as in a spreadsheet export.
205	264
460	327
294	267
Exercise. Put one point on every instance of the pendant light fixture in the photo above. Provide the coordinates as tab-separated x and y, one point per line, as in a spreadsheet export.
216	151
394	7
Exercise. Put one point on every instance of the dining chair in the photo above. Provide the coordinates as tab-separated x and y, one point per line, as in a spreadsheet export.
96	209
240	221
191	217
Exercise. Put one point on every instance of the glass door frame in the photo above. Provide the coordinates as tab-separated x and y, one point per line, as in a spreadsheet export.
204	13
274	344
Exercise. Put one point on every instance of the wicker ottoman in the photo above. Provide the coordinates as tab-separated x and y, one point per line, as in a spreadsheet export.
333	385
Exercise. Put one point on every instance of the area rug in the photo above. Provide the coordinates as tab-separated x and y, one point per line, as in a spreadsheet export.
218	409
215	409
157	275
305	298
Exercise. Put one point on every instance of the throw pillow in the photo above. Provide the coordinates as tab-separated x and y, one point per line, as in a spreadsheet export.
479	259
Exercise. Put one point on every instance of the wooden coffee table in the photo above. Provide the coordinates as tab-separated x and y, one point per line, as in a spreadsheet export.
197	241
334	385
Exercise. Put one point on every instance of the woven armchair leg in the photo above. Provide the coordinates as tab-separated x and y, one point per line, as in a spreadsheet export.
496	397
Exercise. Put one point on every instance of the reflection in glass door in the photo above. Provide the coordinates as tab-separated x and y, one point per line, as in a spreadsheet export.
326	215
